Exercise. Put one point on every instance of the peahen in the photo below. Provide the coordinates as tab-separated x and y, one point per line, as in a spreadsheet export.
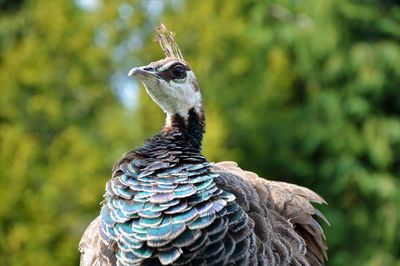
167	205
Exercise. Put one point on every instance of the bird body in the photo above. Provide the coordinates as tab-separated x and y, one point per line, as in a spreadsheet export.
167	205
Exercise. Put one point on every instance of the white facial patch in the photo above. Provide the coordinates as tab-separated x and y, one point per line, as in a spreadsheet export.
176	96
166	66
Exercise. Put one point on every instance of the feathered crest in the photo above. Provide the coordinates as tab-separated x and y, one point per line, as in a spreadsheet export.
167	42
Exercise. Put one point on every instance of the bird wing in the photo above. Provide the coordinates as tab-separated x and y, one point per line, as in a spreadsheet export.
89	246
291	201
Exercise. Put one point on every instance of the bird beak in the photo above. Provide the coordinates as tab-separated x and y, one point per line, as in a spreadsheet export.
143	72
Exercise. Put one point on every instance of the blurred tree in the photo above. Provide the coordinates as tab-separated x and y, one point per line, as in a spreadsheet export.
309	93
301	91
61	128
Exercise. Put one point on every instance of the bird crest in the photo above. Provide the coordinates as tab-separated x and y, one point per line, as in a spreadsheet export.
166	39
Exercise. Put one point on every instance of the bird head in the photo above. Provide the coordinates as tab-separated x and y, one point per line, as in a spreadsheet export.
170	82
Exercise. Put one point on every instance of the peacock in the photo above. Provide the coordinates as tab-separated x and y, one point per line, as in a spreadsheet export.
167	205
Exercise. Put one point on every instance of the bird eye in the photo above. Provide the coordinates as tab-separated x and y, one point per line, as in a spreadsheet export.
178	71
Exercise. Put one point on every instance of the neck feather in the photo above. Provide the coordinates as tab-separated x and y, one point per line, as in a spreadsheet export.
191	125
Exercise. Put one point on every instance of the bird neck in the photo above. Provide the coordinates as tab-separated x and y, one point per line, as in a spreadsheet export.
191	126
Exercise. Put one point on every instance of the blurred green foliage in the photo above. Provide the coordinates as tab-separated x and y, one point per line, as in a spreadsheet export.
301	91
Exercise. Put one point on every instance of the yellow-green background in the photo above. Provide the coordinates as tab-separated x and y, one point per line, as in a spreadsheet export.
301	91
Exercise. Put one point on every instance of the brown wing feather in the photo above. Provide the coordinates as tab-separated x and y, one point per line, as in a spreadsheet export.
293	203
89	246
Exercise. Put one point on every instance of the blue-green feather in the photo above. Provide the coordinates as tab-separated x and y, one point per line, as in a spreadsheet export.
186	192
170	180
121	190
205	185
129	170
149	214
214	250
127	180
199	243
169	256
202	222
236	217
145	174
218	236
231	208
158	208
203	177
218	225
127	243
229	197
105	216
124	228
203	207
139	163
127	257
230	245
170	203
143	252
143	194
146	179
128	207
193	167
170	171
150	222
158	243
168	231
187	238
141	237
180	207
163	189
139	230
161	197
185	216
199	197
118	216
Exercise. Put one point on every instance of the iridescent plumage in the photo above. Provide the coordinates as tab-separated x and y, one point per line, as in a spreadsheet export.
167	205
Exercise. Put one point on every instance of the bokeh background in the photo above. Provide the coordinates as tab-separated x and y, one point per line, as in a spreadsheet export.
300	91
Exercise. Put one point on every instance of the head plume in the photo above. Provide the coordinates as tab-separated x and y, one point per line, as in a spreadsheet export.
171	83
166	39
